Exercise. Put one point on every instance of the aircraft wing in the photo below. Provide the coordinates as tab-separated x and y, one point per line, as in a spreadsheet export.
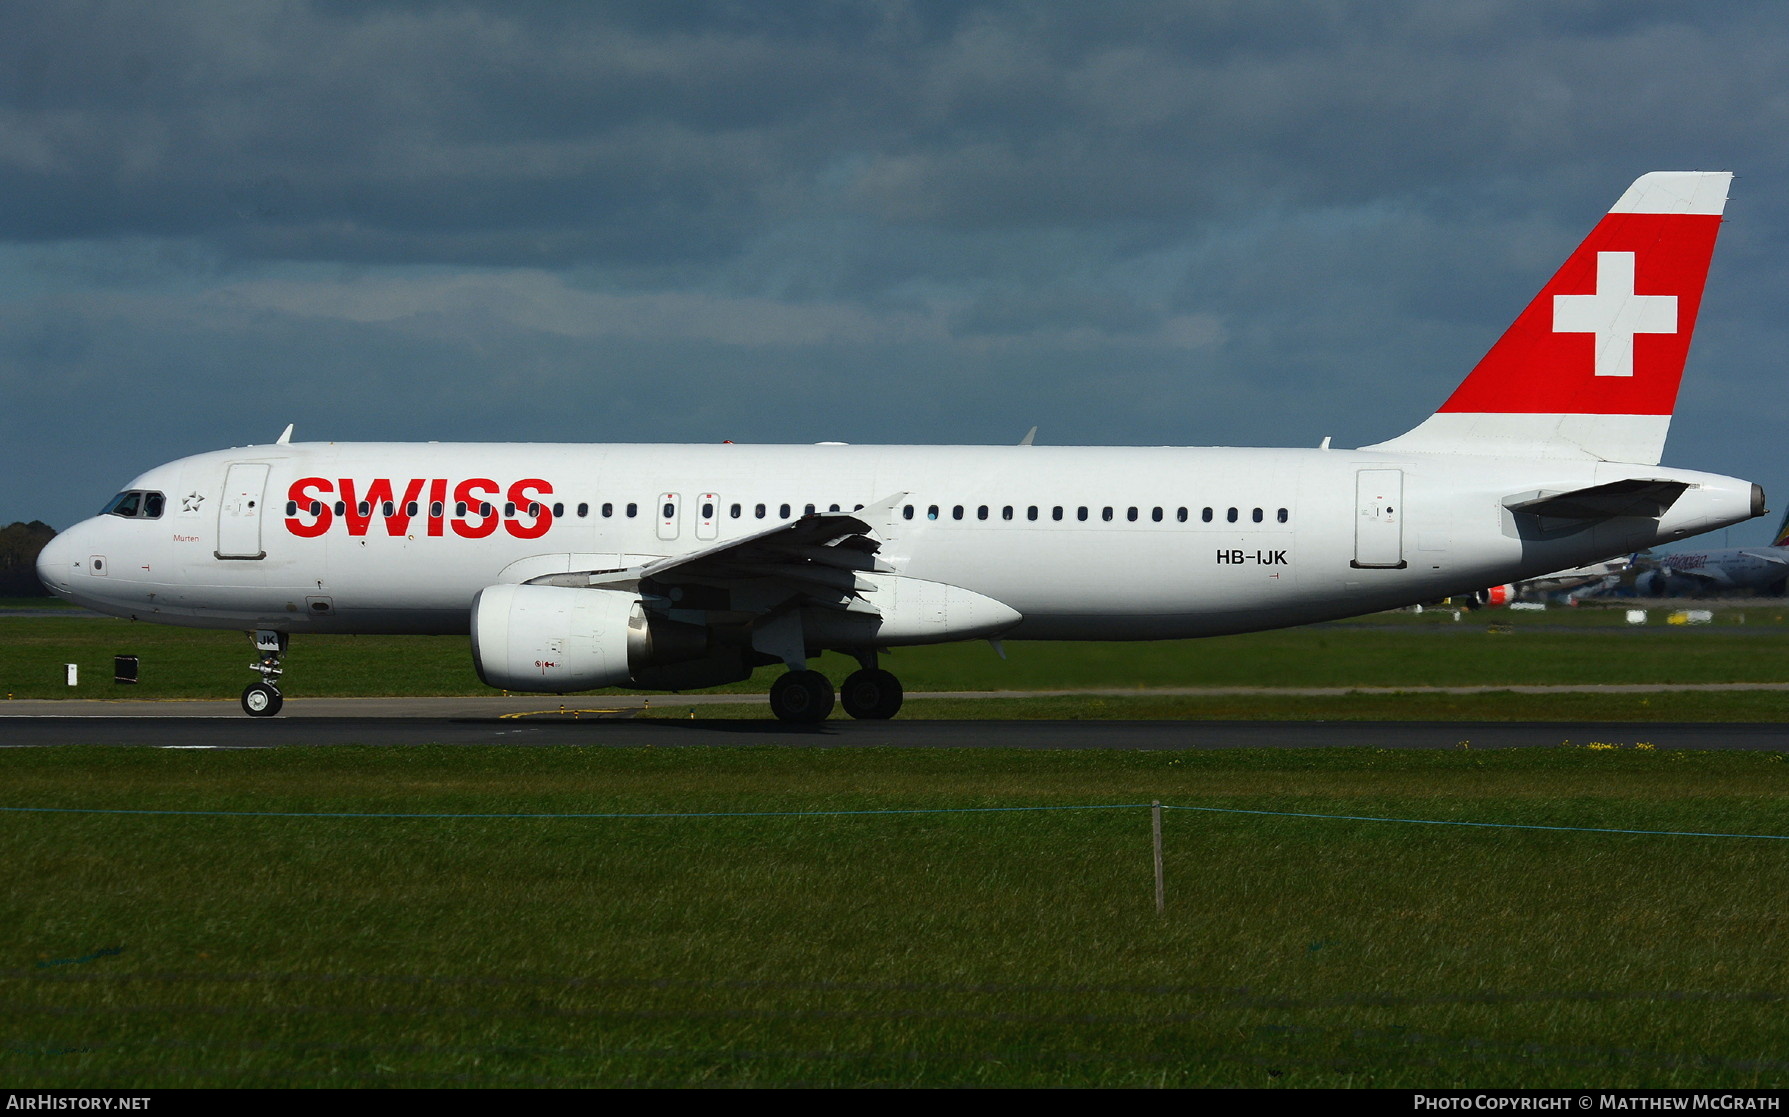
1635	496
818	555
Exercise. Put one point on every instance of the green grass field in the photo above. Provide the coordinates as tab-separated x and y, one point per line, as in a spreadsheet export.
976	948
979	949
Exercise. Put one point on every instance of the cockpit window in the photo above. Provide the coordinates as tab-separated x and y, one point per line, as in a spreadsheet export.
136	504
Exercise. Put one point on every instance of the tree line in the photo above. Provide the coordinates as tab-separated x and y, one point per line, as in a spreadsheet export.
19	545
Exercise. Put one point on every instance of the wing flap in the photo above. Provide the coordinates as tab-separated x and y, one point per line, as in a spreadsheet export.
824	557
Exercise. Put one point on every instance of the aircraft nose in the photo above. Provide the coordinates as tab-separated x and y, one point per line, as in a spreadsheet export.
56	562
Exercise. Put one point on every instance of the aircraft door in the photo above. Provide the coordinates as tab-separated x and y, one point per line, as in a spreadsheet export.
708	516
667	515
239	513
1379	519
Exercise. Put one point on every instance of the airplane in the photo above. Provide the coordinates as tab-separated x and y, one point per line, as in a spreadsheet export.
1573	584
678	567
1728	568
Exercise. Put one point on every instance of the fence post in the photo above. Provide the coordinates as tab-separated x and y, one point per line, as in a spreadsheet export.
1155	824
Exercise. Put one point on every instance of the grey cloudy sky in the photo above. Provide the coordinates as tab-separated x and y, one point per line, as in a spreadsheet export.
1247	223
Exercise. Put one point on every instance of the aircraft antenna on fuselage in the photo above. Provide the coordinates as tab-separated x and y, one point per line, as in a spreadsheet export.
285	435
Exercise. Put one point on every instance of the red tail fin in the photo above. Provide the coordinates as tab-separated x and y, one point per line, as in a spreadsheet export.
1591	368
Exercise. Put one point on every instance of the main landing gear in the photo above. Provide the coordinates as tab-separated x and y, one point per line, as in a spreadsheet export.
802	697
805	697
871	694
262	699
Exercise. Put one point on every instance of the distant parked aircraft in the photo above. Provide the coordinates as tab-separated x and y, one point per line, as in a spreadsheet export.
1763	569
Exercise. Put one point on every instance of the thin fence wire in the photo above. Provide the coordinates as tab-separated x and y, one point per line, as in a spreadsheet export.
643	815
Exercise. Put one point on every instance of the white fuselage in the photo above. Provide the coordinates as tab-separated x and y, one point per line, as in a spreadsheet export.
1083	543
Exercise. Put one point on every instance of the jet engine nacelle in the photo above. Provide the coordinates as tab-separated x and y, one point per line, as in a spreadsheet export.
1496	596
555	639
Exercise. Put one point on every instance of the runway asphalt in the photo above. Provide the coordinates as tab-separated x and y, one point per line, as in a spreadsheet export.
534	722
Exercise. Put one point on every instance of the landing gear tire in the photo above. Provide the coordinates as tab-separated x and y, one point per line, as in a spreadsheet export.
803	697
871	694
259	700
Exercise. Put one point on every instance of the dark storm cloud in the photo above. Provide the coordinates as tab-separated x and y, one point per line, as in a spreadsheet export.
504	134
1128	222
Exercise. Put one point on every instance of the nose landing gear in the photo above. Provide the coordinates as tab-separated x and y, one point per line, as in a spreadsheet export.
262	699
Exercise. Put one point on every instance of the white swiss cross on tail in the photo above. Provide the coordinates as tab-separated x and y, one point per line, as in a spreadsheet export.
1590	369
1615	314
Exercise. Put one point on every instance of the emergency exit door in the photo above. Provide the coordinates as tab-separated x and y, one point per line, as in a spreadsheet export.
239	512
1379	519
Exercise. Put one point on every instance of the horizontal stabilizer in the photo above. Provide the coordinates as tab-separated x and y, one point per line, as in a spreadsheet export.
1633	497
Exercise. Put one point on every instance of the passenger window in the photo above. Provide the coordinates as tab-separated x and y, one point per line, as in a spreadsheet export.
533	508
1081	512
1231	515
1257	516
459	508
1106	513
1056	512
317	508
1180	515
1206	515
759	511
708	510
956	513
906	511
558	509
365	508
632	510
1156	515
669	512
583	509
832	508
410	509
783	512
1284	515
736	511
391	509
291	508
932	512
341	507
1031	512
434	509
982	512
484	509
810	510
608	510
1131	514
1006	513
